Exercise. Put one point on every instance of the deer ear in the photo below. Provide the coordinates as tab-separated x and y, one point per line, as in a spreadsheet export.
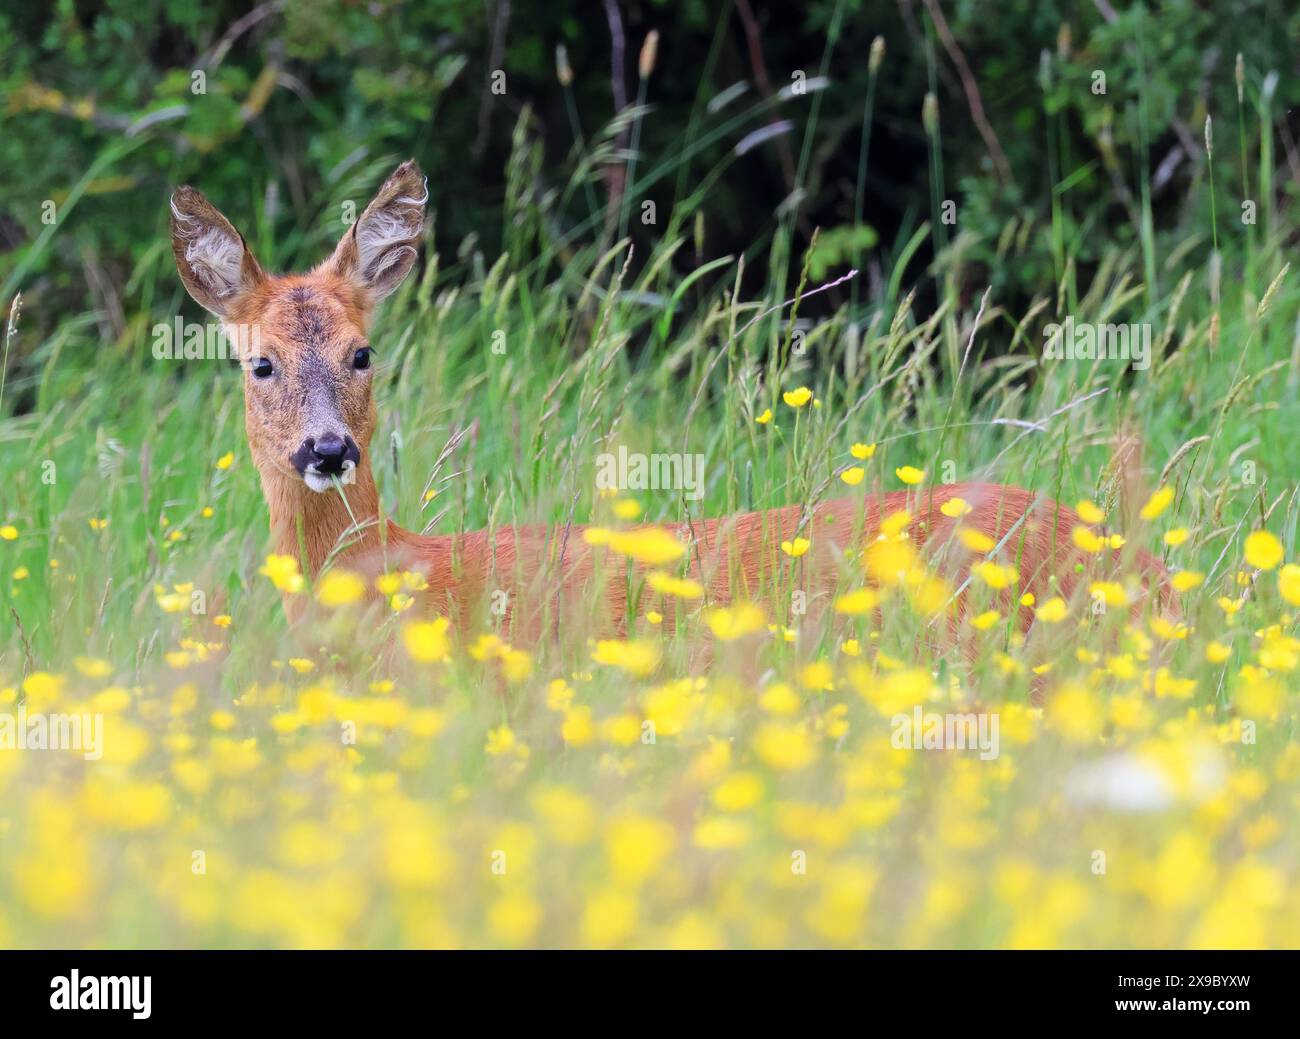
379	250
213	261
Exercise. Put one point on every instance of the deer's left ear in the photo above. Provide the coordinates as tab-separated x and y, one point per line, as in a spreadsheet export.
380	248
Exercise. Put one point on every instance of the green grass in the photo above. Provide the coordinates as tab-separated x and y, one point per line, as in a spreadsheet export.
309	841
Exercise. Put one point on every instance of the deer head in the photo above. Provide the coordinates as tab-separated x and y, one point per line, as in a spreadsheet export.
308	408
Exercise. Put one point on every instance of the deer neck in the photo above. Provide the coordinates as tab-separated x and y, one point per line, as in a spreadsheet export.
314	526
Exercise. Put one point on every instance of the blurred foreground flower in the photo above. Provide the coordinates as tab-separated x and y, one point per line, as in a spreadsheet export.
283	572
340	588
650	545
1263	550
735	621
426	642
639	657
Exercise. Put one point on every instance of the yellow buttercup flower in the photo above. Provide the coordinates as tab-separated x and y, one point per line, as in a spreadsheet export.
650	545
516	665
578	729
1217	652
485	647
893	525
1168	630
1076	714
1263	550
500	741
636	846
514	918
862	451
1052	611
559	695
1288	583
787	748
226	460
955	508
1087	540
283	572
738	792
817	675
779	698
996	575
975	540
678	587
764	418
985	620
853	475
1109	592
861	601
890	560
909	474
569	815
175	601
638	657
426	642
92	667
340	588
1089	513
736	621
798	398
794	549
1157	503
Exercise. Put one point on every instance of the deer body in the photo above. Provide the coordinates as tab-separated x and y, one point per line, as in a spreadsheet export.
310	414
550	576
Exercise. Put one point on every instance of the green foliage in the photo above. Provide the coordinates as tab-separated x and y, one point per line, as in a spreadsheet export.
304	104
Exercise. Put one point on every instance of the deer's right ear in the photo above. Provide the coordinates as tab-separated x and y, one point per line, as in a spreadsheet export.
211	256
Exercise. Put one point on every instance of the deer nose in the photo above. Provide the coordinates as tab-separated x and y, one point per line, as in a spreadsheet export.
329	451
326	454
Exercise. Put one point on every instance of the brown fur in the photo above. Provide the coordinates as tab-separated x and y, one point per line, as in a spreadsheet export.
310	327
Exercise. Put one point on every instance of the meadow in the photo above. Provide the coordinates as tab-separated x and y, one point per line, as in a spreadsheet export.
382	780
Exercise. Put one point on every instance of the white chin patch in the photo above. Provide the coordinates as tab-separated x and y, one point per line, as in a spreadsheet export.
318	482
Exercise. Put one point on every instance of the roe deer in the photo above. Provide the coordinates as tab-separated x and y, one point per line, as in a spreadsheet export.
310	413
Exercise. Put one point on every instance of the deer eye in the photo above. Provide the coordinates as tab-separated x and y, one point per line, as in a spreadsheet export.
361	359
261	367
